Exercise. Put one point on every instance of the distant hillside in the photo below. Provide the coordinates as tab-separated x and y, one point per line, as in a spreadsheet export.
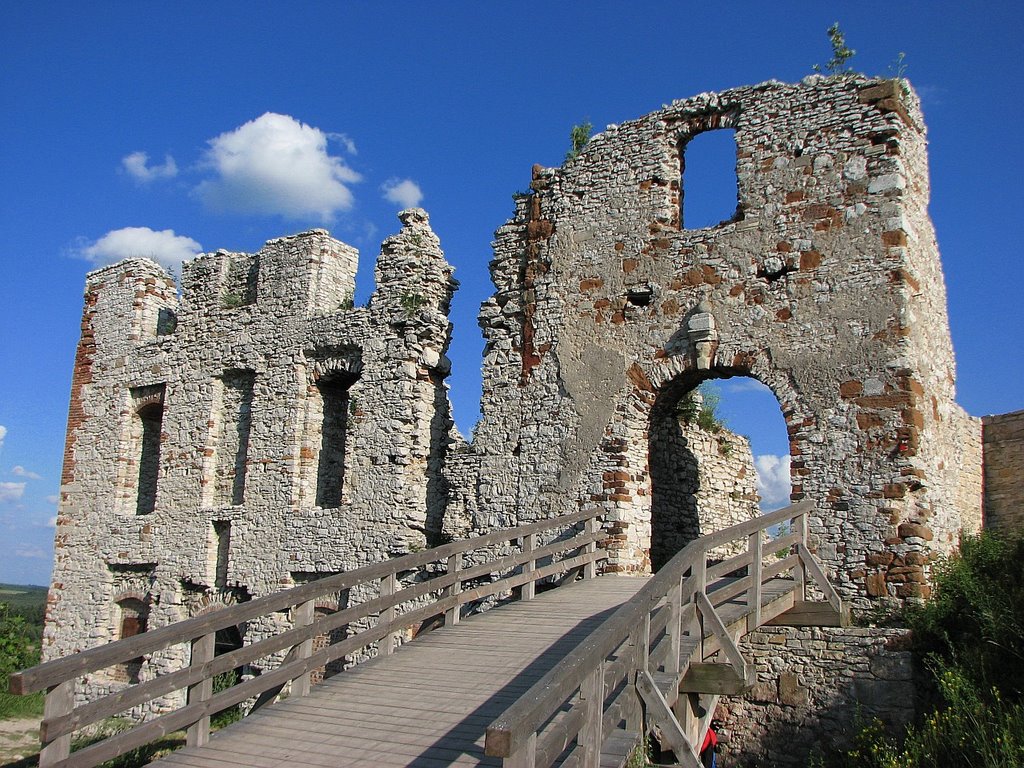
25	600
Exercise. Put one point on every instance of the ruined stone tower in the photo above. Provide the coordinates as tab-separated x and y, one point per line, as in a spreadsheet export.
261	433
825	285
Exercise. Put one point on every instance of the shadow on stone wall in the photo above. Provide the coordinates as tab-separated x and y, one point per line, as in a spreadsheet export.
815	687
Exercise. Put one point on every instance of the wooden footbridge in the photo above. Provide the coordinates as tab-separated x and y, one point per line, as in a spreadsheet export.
573	675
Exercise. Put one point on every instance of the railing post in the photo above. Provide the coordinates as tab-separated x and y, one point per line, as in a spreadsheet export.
452	615
674	627
203	649
525	756
592	696
754	593
590	569
700	584
387	588
800	572
60	700
640	640
529	544
303	617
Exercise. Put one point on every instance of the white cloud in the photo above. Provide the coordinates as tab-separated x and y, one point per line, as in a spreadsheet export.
773	481
20	471
53	499
345	141
11	491
51	522
136	164
32	552
162	246
744	384
404	192
277	165
3	434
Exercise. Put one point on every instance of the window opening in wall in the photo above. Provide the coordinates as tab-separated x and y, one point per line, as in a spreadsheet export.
718	456
222	541
239	288
146	430
134	618
330	476
708	188
235	424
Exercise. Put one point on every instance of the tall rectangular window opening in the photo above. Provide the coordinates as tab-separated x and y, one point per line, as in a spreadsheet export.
235	420
709	187
147	425
222	550
330	475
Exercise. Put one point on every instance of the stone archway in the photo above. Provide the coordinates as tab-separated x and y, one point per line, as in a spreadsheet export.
702	474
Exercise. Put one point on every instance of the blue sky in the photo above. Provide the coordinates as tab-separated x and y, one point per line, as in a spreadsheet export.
160	127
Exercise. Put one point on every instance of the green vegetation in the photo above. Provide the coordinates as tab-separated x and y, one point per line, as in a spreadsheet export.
700	406
21	629
579	135
412	303
898	68
841	54
971	638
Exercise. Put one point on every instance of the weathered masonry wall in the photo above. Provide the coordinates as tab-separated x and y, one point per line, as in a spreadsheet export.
826	286
259	434
812	686
1004	471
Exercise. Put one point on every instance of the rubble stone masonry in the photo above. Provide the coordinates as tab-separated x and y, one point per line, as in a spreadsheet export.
262	431
258	434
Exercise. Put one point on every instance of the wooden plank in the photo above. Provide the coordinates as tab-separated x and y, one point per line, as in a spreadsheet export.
722	679
812	614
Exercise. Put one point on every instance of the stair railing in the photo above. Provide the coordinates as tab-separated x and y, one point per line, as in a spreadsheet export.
447	578
607	683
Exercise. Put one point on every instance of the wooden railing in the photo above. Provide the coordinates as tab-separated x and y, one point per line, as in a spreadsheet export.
455	581
608	684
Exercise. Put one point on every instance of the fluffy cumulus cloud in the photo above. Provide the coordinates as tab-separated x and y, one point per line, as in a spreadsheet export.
11	491
279	166
163	246
3	434
403	192
137	166
20	471
773	480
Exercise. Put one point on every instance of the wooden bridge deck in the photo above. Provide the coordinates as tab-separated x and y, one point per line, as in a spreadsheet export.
430	703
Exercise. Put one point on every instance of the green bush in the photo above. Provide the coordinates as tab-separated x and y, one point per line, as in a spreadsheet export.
970	635
19	648
975	621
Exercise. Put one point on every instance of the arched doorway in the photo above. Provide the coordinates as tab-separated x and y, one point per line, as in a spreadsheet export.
711	443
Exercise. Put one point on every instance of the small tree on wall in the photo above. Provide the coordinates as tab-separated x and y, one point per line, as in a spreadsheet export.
841	53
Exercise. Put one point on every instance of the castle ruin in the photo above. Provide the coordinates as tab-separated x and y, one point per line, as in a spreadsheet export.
262	431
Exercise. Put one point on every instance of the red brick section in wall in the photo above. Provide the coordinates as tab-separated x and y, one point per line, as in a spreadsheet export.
81	376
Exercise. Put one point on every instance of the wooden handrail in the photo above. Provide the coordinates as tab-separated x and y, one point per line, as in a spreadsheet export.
54	672
516	729
444	592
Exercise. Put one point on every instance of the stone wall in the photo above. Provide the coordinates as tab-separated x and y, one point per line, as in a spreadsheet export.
1004	471
825	285
259	433
813	686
